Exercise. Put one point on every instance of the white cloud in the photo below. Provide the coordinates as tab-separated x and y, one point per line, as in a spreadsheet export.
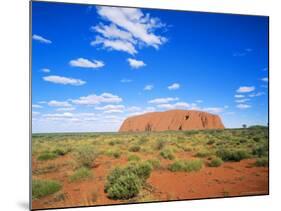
45	70
118	45
243	52
41	39
214	109
257	94
148	87
85	63
199	101
133	109
128	27
114	111
174	106
66	109
136	63
265	79
54	103
163	100
97	99
59	115
110	107
174	86
242	100
125	80
36	106
243	106
239	96
244	89
63	80
35	113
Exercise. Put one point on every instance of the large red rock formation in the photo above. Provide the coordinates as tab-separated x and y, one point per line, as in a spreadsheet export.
172	120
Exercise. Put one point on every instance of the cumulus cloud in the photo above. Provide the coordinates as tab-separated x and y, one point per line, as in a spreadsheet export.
41	39
245	89
257	94
85	63
174	86
118	45
55	103
243	106
64	80
242	100
36	106
133	109
148	87
136	63
239	96
174	106
45	70
64	115
127	29
214	109
97	99
66	109
265	79
110	107
125	80
163	100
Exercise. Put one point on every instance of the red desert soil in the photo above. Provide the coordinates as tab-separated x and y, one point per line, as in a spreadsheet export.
172	120
230	179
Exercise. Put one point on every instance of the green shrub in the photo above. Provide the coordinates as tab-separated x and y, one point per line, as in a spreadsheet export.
125	183
143	140
47	156
155	163
60	152
256	139
210	142
125	187
134	148
133	158
42	188
260	151
262	162
80	174
203	153
232	155
167	154
116	154
160	144
85	156
186	165
215	162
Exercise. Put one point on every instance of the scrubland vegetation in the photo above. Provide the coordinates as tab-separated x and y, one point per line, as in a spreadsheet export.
124	162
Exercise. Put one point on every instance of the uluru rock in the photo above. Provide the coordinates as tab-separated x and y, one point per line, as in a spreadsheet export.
172	120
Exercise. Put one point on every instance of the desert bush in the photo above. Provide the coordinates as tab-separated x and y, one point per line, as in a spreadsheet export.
203	153
143	140
155	163
133	158
160	144
60	151
262	161
256	139
125	187
167	154
125	183
215	162
80	174
232	155
47	156
85	156
260	151
116	154
134	148
42	188
210	142
186	165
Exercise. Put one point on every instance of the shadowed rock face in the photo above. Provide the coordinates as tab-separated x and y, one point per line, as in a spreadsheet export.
172	120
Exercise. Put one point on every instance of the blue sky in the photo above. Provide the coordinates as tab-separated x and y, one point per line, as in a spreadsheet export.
94	66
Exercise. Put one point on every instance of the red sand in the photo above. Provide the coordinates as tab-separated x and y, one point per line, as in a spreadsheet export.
230	179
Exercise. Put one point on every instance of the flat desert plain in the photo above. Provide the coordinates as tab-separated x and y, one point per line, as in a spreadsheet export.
87	169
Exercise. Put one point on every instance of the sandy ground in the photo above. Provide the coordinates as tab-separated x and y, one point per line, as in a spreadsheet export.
230	179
